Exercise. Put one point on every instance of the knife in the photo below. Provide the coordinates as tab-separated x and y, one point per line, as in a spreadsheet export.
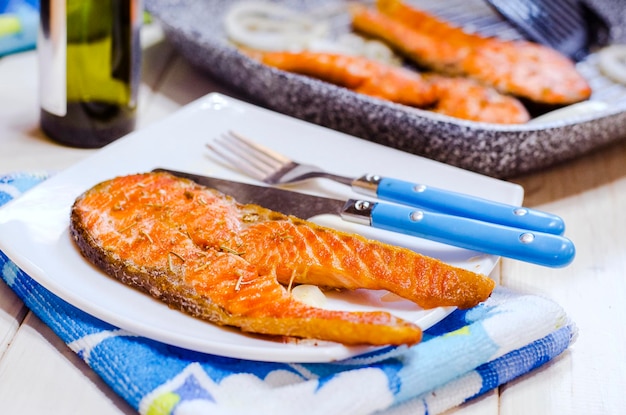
530	246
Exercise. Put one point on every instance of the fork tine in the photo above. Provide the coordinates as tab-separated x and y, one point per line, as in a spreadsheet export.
251	153
263	163
277	158
250	169
248	155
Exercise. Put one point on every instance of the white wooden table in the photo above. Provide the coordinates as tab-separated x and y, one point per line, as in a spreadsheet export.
39	374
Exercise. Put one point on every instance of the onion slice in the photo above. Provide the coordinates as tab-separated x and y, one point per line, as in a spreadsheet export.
266	26
612	62
271	27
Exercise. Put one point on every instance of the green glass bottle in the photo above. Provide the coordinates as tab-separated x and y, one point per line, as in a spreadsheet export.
89	69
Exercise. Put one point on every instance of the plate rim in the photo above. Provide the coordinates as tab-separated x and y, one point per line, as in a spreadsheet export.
205	103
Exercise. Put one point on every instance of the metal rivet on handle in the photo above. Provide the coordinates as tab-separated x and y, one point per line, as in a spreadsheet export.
520	211
419	188
417	215
362	205
526	238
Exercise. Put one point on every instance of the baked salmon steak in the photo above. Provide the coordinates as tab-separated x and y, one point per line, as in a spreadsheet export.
520	68
201	252
453	96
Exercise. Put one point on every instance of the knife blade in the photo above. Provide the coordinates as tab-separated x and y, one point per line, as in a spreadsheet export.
522	244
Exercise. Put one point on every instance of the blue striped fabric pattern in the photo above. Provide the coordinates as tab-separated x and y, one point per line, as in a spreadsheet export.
467	354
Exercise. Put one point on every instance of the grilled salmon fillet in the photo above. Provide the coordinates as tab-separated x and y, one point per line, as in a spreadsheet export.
521	68
203	253
453	96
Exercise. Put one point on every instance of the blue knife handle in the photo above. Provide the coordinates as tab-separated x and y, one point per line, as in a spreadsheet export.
535	247
460	204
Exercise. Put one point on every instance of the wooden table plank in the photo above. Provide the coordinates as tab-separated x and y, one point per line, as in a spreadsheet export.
12	313
39	374
590	194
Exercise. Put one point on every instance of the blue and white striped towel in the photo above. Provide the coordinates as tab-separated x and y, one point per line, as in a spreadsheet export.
462	357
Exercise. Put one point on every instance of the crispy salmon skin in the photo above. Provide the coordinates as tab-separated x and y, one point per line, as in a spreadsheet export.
203	253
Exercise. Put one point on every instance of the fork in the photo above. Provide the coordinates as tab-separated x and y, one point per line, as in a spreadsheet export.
273	168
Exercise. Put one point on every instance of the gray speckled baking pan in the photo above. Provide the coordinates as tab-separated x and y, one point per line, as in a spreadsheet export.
195	28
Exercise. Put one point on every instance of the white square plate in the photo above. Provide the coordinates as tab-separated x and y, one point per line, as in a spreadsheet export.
34	229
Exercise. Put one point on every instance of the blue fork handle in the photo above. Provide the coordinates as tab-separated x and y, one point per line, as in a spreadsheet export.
530	246
459	204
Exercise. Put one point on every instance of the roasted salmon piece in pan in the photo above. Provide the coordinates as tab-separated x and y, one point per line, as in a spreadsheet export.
520	68
457	97
203	253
